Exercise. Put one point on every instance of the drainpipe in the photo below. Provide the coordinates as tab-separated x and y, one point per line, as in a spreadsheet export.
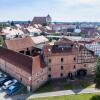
29	84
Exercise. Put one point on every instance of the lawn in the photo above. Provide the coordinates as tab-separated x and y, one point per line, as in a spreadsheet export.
86	84
47	87
68	87
73	97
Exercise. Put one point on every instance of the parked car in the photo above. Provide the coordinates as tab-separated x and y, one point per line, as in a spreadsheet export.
12	89
4	79
9	83
0	72
2	75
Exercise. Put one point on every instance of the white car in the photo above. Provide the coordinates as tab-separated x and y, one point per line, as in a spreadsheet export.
9	83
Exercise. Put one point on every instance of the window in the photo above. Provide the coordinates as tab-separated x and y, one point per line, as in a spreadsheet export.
84	65
49	76
74	66
20	79
61	75
49	60
62	59
49	68
74	58
27	48
62	67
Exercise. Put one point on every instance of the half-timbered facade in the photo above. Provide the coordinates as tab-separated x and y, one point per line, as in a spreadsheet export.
66	58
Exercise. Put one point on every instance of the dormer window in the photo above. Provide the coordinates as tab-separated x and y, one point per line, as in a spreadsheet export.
71	45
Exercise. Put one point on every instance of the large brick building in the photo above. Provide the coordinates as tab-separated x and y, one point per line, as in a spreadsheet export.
68	59
34	66
29	70
42	20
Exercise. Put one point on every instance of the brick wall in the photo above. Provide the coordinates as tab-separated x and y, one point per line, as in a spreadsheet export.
39	75
15	71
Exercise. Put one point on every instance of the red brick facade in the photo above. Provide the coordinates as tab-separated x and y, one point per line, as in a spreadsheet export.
55	61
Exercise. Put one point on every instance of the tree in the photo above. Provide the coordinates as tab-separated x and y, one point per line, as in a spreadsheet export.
50	40
35	34
97	73
1	40
0	28
12	23
29	22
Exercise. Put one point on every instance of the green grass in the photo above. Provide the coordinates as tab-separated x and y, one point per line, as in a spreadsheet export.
1	41
68	87
73	97
86	85
49	87
45	88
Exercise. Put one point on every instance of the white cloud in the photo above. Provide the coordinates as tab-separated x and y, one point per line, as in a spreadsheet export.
73	2
79	10
60	10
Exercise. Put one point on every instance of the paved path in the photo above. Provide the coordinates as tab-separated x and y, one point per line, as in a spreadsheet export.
3	95
66	92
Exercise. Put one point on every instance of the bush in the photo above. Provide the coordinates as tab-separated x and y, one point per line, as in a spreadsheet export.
1	40
97	73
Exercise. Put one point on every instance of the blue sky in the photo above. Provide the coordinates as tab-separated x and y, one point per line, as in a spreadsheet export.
60	10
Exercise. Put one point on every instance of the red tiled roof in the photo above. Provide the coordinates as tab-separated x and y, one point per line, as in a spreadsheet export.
58	49
17	59
55	49
64	41
64	46
19	44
